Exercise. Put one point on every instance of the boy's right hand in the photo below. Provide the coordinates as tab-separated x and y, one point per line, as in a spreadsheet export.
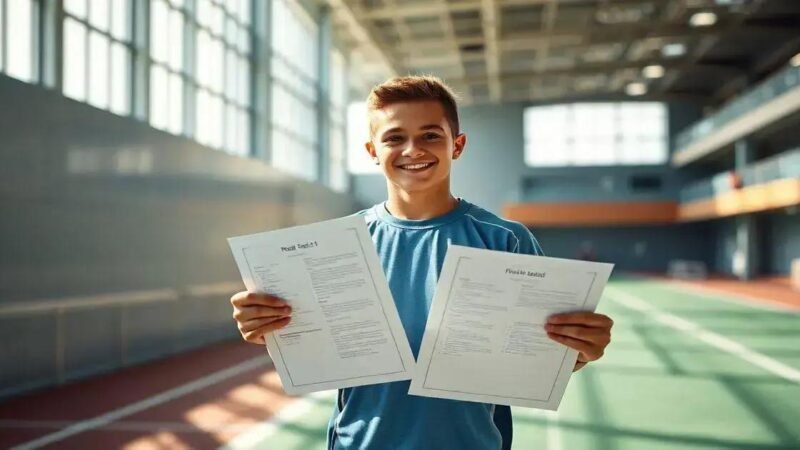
258	314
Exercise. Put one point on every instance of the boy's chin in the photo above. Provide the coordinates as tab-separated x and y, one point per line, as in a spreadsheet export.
416	185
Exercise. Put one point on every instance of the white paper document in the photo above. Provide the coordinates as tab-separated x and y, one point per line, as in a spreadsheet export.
485	340
345	330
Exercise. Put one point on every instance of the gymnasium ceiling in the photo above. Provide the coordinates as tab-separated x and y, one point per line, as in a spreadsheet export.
553	50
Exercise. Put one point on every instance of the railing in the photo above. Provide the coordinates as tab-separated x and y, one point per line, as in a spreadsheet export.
110	325
784	165
780	83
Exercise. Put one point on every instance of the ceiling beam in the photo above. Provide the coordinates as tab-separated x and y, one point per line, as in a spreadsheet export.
432	9
709	42
531	40
490	15
589	69
363	35
450	37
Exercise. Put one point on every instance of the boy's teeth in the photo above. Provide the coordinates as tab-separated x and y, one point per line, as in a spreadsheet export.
416	166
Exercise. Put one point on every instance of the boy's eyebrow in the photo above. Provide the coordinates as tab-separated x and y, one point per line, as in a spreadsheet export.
432	126
426	127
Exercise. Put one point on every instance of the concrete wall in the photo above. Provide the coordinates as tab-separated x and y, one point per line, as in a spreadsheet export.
113	237
782	240
631	248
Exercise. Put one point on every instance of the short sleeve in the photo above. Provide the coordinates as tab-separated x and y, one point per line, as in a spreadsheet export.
528	245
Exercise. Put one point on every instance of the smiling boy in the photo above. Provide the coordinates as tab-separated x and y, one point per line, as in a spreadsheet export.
415	137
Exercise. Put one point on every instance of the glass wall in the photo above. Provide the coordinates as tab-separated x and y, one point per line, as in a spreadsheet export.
295	88
337	174
596	134
18	38
187	66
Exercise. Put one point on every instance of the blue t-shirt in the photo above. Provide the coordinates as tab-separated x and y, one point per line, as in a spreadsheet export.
384	416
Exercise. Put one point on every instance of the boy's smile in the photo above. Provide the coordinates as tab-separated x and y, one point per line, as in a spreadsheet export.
413	143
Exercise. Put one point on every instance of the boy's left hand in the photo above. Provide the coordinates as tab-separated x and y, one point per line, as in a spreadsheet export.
587	332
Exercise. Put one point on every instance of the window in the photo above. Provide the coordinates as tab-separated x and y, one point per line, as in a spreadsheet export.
595	134
204	93
167	65
294	91
97	49
358	160
18	34
337	174
223	65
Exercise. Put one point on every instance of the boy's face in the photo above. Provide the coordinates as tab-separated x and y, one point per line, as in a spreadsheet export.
414	144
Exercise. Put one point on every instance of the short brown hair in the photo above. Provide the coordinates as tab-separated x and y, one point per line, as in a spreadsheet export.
415	88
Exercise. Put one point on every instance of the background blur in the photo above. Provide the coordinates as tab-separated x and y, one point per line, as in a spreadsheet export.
136	135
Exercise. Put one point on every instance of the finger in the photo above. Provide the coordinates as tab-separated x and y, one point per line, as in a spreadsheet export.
582	346
255	324
257	299
584	318
254	335
588	334
259	312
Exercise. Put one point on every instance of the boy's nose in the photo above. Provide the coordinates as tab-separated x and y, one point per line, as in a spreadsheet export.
412	150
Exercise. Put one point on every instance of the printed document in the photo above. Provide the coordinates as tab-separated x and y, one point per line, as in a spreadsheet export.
345	330
485	340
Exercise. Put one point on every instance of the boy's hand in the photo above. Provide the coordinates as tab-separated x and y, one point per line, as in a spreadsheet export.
587	332
259	314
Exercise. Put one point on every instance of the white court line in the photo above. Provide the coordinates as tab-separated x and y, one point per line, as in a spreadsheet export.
713	339
149	402
257	434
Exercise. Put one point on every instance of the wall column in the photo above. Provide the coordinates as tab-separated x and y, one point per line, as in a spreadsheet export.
745	262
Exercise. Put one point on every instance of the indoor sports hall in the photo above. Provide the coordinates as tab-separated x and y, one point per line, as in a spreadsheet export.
137	136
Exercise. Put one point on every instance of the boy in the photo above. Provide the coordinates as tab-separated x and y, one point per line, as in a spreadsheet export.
415	137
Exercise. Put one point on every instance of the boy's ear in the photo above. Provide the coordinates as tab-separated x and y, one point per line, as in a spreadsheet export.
459	143
370	149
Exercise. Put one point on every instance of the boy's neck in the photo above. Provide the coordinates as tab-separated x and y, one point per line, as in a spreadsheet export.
420	205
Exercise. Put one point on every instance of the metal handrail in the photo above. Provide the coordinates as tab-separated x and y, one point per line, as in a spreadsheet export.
117	298
775	86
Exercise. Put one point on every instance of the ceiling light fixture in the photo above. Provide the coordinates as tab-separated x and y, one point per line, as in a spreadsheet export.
703	19
653	71
673	50
636	89
795	61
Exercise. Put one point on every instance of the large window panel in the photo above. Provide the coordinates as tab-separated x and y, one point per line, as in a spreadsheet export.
19	33
223	61
167	72
295	91
97	53
595	134
2	35
120	79
74	80
99	74
358	160
337	157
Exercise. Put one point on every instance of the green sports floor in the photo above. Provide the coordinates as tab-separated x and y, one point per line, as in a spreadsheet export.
684	371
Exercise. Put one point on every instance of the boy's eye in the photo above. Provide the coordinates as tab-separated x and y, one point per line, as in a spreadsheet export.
431	136
393	139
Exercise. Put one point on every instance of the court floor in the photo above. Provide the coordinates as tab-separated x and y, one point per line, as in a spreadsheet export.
687	369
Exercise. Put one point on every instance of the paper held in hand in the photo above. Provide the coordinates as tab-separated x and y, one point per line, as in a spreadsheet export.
345	330
485	340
